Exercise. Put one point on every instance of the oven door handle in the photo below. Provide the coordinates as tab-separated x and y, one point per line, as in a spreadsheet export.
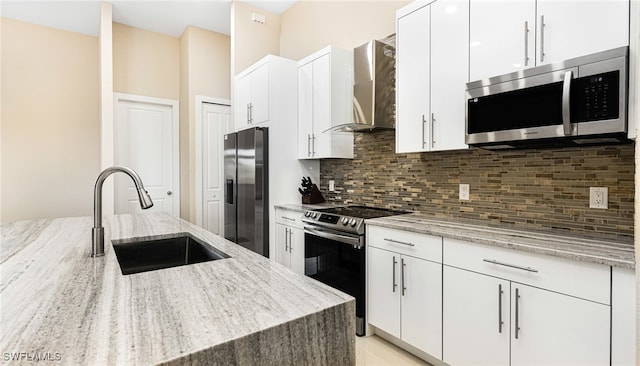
352	240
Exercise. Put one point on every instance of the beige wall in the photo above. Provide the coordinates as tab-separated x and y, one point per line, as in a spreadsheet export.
252	41
50	122
205	69
145	63
311	25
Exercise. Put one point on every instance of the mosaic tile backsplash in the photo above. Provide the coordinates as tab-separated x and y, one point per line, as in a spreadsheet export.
530	189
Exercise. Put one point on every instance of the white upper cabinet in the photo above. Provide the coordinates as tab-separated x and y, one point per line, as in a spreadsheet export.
576	28
508	36
325	97
256	96
449	65
431	73
502	37
412	80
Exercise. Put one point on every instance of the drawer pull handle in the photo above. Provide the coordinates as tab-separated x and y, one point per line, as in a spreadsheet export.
399	242
493	261
288	218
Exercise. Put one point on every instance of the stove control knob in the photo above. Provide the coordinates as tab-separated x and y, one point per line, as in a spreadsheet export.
353	222
314	215
306	214
345	221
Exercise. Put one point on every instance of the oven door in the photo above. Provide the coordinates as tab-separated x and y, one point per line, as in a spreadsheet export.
338	260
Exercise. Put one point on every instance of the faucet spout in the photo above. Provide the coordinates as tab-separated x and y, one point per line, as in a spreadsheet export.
97	245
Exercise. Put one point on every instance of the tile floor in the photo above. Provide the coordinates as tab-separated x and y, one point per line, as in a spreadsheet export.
374	350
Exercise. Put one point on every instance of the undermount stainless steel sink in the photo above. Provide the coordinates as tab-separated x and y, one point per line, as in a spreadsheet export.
149	255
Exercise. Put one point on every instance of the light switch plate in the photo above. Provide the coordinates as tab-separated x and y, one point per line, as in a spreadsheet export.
598	197
332	185
464	192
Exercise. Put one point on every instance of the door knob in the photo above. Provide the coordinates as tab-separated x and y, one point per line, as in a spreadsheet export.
169	193
214	196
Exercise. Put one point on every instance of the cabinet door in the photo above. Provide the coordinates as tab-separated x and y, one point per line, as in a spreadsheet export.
421	290
556	329
502	37
577	28
473	305
242	100
321	142
412	81
260	94
296	249
384	290
281	254
305	110
450	65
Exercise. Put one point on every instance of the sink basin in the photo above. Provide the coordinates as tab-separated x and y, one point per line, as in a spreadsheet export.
149	255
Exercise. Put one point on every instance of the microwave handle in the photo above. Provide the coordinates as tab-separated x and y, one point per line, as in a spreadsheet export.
566	107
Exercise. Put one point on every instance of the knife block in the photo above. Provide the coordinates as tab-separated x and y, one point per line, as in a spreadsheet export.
314	197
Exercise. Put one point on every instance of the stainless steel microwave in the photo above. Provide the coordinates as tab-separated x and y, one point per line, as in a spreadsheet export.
579	101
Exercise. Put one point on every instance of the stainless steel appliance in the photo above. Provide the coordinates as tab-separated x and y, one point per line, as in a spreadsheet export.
246	201
575	102
374	89
335	251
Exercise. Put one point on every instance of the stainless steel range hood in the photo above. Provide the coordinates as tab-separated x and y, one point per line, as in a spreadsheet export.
374	90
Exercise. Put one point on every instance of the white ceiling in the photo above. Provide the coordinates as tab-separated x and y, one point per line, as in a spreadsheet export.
166	17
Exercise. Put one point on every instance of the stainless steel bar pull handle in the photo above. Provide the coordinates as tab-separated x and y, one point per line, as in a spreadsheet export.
308	145
288	218
542	25
566	102
290	246
432	131
402	265
286	239
517	327
248	113
394	273
399	242
424	141
526	43
313	145
500	322
493	261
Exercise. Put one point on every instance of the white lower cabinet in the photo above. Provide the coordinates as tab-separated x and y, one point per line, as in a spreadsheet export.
475	320
492	319
550	328
289	236
404	291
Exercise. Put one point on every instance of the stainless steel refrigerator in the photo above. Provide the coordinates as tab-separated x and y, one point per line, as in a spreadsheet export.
246	203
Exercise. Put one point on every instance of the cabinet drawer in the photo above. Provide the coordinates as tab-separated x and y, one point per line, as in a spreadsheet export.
405	242
288	217
581	279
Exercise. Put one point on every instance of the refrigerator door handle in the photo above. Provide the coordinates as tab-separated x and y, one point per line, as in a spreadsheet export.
228	191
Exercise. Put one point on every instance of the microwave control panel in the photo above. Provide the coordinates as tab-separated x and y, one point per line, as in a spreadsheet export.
598	96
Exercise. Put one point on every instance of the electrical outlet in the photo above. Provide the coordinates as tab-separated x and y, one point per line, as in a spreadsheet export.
598	197
332	185
464	192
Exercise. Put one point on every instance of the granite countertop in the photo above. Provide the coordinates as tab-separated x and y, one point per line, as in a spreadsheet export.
56	299
613	252
302	207
617	252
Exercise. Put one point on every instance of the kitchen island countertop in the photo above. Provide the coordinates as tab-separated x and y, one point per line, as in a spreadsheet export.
57	303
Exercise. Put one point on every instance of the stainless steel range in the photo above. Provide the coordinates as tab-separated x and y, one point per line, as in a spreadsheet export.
335	252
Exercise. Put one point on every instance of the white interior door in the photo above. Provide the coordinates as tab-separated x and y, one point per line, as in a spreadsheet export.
215	118
146	140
